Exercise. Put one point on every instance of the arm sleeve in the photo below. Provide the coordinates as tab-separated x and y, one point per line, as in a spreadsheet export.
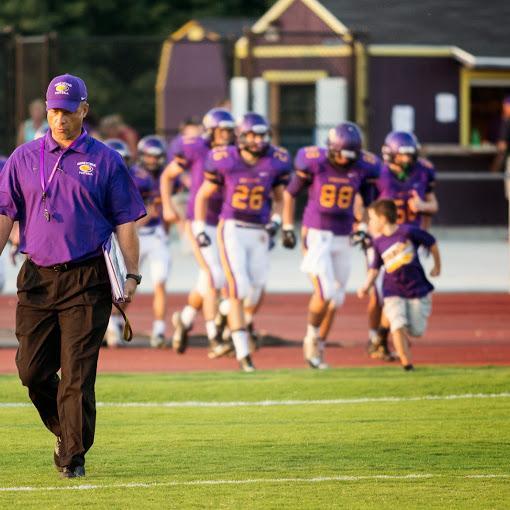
124	202
284	171
212	171
302	176
368	189
431	180
421	238
11	201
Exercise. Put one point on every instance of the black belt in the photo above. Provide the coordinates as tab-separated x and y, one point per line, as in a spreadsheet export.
61	268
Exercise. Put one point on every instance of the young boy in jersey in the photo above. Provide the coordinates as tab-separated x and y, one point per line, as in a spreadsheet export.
336	178
409	181
252	175
406	290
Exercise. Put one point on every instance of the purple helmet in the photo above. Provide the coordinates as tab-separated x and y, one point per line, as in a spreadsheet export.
119	146
3	160
152	145
345	140
257	124
217	118
400	142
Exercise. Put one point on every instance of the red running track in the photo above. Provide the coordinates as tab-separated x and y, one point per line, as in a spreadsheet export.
465	329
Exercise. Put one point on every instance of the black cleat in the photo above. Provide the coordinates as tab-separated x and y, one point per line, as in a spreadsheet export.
221	349
377	348
57	454
73	472
180	336
253	338
246	364
408	368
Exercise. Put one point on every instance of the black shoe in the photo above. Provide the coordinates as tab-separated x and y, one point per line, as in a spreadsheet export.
253	338
408	368
221	349
73	472
180	336
246	364
57	453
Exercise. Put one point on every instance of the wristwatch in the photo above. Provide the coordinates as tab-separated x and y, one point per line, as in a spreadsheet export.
136	277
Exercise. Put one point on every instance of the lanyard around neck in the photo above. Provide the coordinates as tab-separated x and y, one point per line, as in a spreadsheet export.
44	184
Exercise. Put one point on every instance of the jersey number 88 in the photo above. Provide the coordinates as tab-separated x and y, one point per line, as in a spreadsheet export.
331	196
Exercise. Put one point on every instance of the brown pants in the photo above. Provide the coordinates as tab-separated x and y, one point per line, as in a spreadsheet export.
61	319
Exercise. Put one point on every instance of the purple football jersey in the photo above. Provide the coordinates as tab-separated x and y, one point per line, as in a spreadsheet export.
247	188
331	190
404	275
192	153
148	186
421	178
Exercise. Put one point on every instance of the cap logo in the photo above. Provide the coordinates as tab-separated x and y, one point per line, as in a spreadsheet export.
62	87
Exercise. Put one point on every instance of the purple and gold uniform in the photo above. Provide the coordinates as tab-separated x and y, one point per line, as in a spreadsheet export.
420	178
406	289
247	188
329	215
192	155
331	190
247	191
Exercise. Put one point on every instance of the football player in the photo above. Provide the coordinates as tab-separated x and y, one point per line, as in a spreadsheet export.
409	181
252	176
190	155
335	178
154	242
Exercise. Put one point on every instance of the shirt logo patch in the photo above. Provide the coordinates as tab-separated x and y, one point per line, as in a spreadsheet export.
398	255
62	87
86	167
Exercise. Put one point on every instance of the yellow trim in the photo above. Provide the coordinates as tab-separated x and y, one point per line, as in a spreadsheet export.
308	76
182	32
317	8
331	20
302	51
397	50
195	32
361	86
241	47
467	76
161	81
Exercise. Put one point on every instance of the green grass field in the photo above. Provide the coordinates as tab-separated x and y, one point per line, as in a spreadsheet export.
352	453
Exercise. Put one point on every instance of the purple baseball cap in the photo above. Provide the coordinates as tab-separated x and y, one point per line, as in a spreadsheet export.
66	92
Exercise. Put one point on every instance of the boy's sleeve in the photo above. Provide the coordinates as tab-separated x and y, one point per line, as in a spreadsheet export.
375	260
421	238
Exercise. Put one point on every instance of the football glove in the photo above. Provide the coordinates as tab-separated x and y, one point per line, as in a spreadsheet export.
289	238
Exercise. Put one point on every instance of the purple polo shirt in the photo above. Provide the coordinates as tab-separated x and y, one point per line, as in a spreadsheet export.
90	194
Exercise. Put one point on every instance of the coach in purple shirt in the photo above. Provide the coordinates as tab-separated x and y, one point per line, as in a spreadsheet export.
69	192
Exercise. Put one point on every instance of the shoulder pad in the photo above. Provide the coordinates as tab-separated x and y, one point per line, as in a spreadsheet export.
369	158
312	152
281	154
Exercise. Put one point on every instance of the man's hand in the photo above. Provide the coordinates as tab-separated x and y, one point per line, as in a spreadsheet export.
170	215
274	225
362	238
130	286
203	240
289	238
198	229
416	204
13	253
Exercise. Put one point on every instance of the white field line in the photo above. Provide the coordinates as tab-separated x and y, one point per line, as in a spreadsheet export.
272	403
253	481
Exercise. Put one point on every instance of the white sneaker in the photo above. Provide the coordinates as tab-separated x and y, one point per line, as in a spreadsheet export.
313	350
157	341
